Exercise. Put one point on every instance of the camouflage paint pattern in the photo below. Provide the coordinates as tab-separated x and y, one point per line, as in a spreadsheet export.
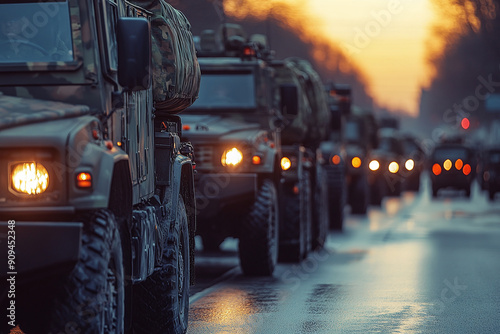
15	111
176	73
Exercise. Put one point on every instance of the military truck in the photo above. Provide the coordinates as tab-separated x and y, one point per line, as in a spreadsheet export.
97	206
360	137
307	121
339	102
235	131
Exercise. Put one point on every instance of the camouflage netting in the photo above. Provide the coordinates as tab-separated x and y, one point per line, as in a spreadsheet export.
176	73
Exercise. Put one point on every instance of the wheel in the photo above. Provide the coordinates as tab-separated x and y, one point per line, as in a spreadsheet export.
161	302
91	298
467	192
258	241
434	192
320	212
358	197
295	222
491	195
336	215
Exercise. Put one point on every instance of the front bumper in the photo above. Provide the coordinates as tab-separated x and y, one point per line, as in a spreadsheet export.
42	249
216	192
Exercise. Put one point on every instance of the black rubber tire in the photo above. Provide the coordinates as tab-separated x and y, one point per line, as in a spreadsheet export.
295	222
467	192
336	215
258	240
91	299
359	197
161	302
435	192
321	218
491	194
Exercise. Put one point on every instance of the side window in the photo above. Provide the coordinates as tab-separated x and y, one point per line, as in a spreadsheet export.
111	12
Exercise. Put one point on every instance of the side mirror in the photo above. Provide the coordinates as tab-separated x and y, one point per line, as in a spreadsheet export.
134	53
289	99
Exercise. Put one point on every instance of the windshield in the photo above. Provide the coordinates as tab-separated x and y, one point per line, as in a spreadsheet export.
35	32
226	91
352	131
450	153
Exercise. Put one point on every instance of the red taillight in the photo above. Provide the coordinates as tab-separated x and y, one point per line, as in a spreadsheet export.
436	169
467	169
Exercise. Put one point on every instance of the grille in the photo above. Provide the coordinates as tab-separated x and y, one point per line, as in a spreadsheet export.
204	156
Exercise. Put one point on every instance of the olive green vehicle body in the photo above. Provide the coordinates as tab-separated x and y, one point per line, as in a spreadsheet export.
79	116
225	193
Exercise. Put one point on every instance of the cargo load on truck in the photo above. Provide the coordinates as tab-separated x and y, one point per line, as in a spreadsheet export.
176	74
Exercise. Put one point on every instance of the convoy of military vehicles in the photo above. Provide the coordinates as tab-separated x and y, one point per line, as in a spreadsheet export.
104	187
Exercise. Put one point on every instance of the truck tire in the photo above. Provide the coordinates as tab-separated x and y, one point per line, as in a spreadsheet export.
321	219
258	241
92	299
359	197
295	222
161	302
336	215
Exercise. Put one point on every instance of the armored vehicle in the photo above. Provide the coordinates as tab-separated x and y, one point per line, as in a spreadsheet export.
360	137
339	102
97	207
306	121
234	129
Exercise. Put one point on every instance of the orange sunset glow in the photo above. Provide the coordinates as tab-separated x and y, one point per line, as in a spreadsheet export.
388	40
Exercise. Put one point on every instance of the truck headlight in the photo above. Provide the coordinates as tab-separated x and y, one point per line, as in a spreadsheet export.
286	163
393	167
374	165
29	178
409	164
232	157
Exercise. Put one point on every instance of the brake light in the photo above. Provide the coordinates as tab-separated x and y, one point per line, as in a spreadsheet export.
459	164
467	169
436	169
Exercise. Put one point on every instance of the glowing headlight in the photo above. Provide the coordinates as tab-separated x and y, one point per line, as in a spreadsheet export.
285	163
374	165
393	167
447	164
232	157
409	164
30	178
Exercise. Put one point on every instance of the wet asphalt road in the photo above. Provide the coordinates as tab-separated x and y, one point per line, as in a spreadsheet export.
412	266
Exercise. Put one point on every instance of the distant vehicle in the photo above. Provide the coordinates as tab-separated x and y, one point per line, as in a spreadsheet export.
414	163
385	166
360	137
452	166
490	171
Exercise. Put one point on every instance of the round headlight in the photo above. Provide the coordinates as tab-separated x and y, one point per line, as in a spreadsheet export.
374	165
393	167
285	163
409	164
232	157
30	178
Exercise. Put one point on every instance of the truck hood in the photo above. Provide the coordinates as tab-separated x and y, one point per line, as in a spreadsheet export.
213	127
17	111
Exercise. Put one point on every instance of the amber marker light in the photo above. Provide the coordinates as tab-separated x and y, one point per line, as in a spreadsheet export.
286	164
30	178
84	180
186	127
459	164
256	160
447	164
393	167
356	162
436	169
336	159
467	169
